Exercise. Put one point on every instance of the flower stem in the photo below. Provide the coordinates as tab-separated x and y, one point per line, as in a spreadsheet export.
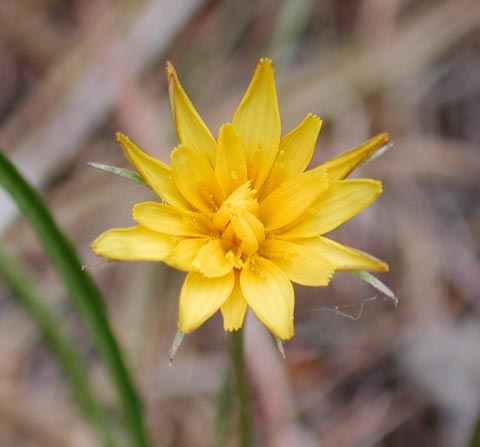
475	437
225	404
237	357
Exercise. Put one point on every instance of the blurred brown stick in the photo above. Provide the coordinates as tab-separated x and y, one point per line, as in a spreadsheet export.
56	139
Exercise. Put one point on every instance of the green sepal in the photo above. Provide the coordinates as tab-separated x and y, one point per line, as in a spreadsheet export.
130	175
280	347
377	153
376	284
177	341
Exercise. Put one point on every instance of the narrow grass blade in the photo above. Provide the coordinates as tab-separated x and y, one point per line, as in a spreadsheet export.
25	287
83	292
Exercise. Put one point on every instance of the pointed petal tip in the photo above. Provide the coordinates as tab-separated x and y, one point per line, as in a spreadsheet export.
171	73
266	65
124	141
315	118
191	129
376	183
120	137
285	335
378	140
234	328
266	61
385	137
95	243
313	115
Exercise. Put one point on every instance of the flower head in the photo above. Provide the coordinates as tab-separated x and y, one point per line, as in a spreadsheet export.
241	214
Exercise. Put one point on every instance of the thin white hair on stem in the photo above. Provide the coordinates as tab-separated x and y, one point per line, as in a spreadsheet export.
337	309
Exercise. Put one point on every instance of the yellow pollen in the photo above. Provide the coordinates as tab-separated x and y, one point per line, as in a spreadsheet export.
237	220
235	259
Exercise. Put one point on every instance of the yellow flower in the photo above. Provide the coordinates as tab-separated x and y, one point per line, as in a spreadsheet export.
240	214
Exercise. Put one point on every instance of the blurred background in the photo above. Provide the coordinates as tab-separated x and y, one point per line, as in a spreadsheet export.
72	73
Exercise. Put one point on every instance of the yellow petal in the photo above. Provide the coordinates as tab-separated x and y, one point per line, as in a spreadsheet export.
294	153
231	167
200	298
191	129
184	253
292	198
249	230
195	179
342	165
133	244
243	198
257	122
166	219
303	264
342	257
269	293
235	308
157	174
343	200
212	260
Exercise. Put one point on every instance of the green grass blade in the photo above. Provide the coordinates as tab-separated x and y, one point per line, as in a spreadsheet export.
24	285
83	292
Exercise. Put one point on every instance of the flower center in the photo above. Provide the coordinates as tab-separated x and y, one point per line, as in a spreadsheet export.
238	222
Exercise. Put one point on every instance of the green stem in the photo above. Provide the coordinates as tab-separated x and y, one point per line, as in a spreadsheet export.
237	357
25	286
475	438
225	403
82	290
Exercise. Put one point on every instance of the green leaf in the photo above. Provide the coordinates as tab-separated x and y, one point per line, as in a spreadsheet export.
130	175
81	289
26	289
